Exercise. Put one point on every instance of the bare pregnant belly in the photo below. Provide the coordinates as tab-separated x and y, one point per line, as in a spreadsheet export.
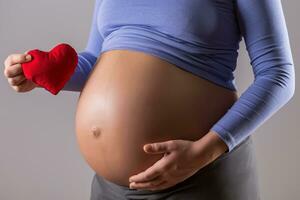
132	98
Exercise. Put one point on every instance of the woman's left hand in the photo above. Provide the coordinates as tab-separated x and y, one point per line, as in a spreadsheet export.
180	161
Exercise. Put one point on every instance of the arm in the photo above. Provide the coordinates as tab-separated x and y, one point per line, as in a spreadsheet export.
88	57
263	26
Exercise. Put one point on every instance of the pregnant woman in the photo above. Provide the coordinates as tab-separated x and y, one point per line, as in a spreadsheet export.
158	115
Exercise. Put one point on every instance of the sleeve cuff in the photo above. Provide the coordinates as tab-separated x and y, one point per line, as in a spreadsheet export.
225	136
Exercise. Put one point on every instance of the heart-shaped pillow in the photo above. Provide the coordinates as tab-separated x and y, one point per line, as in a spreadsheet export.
51	70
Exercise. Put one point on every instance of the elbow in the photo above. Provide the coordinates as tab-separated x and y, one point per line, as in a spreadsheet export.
289	80
279	81
291	88
286	80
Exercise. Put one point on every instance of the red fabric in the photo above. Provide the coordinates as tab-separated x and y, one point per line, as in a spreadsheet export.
51	70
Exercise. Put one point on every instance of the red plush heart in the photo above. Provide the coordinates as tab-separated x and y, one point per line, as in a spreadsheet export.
51	70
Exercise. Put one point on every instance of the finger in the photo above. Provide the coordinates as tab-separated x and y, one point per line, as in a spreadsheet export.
13	70
149	184
161	186
147	175
17	58
17	88
160	147
21	86
17	80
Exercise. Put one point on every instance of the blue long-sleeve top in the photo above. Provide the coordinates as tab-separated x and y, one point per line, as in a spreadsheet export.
202	37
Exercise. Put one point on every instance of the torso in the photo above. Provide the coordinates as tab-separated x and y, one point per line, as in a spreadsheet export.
132	98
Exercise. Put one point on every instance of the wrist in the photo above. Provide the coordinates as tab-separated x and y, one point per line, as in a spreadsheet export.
210	147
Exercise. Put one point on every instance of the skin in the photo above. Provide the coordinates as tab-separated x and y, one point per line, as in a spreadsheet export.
14	73
134	98
180	158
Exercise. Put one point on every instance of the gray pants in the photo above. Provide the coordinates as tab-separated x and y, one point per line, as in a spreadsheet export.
232	176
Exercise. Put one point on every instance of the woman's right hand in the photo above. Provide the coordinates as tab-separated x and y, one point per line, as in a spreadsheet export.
14	73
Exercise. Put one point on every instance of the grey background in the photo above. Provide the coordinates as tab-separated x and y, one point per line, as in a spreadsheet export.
39	157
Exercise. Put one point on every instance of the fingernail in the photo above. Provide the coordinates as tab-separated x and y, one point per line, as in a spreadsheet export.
27	57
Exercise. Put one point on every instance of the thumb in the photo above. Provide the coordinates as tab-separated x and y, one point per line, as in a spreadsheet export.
28	56
161	147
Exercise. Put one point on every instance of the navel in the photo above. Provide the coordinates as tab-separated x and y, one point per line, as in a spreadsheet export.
96	131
